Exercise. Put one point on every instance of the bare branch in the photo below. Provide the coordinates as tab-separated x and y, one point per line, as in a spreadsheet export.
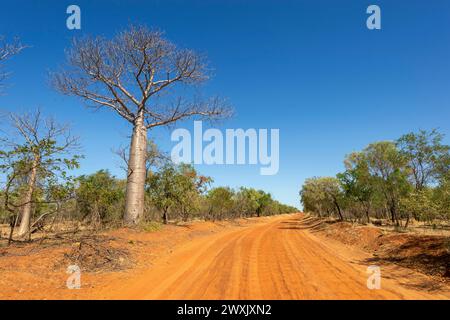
123	73
154	157
211	109
7	50
37	131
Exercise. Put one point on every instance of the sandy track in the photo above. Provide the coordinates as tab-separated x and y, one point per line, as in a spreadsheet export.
276	259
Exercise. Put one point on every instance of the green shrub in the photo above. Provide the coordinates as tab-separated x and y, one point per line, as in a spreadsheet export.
151	226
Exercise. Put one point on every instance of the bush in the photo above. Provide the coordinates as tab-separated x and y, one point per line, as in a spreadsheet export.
100	197
150	226
408	178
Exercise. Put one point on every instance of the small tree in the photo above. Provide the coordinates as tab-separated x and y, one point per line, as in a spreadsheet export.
138	74
100	197
162	190
176	188
420	204
357	183
427	158
220	202
441	196
388	167
40	152
246	202
191	186
322	195
264	200
313	197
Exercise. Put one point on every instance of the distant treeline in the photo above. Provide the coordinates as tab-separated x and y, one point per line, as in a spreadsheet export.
400	180
37	156
175	192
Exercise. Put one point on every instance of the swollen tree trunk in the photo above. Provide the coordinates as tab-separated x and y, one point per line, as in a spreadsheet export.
134	205
26	210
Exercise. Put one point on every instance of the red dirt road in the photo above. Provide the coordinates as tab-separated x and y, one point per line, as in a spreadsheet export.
275	259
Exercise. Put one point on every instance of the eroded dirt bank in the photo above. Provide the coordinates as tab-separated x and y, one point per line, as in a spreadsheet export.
425	251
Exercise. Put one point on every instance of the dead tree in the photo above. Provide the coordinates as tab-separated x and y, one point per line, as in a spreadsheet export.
143	78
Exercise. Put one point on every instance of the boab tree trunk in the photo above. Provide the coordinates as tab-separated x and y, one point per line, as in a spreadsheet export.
28	200
135	193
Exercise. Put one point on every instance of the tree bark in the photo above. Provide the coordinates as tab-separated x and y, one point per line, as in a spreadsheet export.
341	218
165	217
394	217
407	221
134	206
367	216
28	199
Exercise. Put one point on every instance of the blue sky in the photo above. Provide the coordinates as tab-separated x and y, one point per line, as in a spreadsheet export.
310	68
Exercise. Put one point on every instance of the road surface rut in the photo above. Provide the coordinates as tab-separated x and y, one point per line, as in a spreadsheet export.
278	259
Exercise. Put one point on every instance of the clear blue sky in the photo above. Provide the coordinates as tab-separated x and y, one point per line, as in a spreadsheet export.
310	68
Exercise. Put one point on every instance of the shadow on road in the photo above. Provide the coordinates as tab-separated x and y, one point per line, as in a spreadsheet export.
309	223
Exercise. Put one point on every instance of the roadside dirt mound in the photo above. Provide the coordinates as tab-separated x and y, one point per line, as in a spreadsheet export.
364	237
429	254
425	253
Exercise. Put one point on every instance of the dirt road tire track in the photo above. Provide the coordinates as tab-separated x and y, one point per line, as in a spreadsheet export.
273	260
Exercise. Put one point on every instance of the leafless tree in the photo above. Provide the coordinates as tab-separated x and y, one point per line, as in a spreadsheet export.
154	158
142	77
39	147
7	50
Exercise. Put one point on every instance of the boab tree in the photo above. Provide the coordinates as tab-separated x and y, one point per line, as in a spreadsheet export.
38	151
137	74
